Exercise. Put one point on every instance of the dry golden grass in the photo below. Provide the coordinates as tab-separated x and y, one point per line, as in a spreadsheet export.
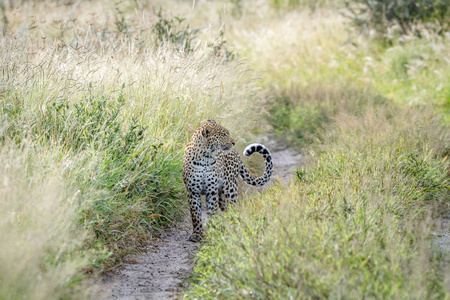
41	253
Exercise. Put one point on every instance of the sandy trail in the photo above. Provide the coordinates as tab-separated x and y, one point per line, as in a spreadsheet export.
162	272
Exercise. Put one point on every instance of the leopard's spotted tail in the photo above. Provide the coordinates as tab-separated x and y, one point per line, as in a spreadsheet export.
245	174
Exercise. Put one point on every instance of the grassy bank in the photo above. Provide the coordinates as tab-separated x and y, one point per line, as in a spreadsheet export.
316	66
358	220
96	106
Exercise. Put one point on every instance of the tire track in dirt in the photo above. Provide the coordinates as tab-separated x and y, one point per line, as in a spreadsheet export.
162	272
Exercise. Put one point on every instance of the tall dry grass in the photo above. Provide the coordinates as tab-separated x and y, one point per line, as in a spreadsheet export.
42	246
316	66
95	108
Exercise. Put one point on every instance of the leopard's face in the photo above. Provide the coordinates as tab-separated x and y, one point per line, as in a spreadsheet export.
217	137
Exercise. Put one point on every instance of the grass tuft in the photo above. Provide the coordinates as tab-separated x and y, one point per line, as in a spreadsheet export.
42	250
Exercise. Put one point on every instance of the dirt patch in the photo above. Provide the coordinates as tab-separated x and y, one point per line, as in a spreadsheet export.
162	271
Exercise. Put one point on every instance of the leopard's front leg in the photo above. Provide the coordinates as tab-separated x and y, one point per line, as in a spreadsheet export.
195	206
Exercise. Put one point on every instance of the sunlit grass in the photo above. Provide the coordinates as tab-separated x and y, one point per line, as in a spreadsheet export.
42	248
318	66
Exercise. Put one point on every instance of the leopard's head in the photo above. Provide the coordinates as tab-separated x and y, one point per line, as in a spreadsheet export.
216	136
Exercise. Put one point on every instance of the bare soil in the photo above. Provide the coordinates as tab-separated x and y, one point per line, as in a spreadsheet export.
442	235
162	272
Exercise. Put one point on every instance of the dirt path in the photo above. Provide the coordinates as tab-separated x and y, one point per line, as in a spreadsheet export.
285	159
162	271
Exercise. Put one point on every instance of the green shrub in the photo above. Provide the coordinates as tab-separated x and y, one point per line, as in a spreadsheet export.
301	114
170	31
383	14
298	123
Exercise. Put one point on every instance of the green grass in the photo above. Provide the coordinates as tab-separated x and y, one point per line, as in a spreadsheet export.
299	116
415	73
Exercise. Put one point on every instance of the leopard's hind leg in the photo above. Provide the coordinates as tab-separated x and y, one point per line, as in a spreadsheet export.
230	191
222	200
212	203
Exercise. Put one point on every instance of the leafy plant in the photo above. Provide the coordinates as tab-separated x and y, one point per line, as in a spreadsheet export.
220	47
170	31
120	22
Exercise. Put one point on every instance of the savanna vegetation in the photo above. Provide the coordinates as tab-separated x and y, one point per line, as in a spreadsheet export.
98	99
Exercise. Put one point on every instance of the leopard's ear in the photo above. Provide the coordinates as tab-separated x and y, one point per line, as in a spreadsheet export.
208	128
206	132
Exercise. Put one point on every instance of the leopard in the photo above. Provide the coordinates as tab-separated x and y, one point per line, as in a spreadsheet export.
211	167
